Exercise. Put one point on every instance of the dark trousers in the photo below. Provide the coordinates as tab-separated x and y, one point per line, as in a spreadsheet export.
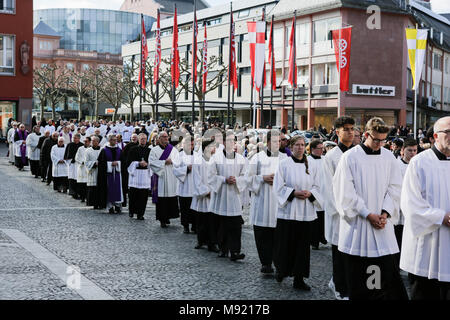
339	271
207	228
167	208
229	233
92	196
82	190
292	248
264	239
318	229
60	183
188	216
375	278
34	167
429	289
73	191
47	172
138	201
398	229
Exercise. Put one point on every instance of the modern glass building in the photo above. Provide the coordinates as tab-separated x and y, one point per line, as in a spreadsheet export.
93	29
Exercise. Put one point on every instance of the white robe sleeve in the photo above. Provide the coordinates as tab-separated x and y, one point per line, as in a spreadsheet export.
254	181
79	157
241	180
89	161
54	155
418	212
315	190
392	197
327	187
348	203
132	168
283	192
200	189
156	165
180	168
215	181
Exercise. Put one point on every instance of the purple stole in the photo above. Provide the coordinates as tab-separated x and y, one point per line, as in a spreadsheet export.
23	148
113	179
154	179
70	135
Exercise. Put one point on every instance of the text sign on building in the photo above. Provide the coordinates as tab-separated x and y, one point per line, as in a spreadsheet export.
373	90
109	111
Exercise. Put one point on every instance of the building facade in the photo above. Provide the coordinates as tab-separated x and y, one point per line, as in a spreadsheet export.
93	29
166	7
16	62
378	59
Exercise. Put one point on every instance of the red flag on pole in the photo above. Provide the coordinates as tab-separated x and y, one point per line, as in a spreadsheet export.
257	43
157	62
273	77
144	53
232	73
292	57
194	47
342	44
205	62
174	64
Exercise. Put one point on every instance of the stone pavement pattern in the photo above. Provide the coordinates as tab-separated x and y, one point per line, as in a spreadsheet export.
126	258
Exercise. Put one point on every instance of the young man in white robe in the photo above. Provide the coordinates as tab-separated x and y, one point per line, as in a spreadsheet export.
139	177
345	129
426	207
69	156
59	166
183	171
10	139
366	187
264	201
207	222
91	163
164	183
296	183
33	152
227	180
82	175
407	152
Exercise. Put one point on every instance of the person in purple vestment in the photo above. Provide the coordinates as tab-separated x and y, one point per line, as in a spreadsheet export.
109	177
20	138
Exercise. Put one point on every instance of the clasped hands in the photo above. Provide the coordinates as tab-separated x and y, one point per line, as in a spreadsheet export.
378	221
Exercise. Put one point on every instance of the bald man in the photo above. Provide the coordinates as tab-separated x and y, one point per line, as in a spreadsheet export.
425	203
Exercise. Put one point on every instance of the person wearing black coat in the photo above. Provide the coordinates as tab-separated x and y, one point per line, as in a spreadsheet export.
45	160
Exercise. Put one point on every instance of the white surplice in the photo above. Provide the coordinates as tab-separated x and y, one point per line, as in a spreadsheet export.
403	166
167	182
32	141
200	169
91	159
425	200
12	149
226	199
80	160
185	179
264	200
366	184
57	154
139	178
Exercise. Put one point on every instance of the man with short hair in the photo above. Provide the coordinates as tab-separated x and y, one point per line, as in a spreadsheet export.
91	163
45	158
366	187
124	163
20	137
69	156
33	151
426	207
59	166
10	139
80	162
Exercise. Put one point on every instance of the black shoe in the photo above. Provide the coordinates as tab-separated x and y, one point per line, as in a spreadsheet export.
315	247
222	254
168	222
186	230
213	248
48	183
198	246
266	269
140	218
279	277
131	215
83	200
237	256
111	210
301	285
193	230
36	177
323	241
163	225
118	210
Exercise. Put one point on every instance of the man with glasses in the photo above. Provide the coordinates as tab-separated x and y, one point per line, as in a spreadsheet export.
366	187
425	203
284	145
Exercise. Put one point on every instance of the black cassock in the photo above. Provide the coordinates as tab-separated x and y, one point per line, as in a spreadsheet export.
138	197
45	159
124	164
69	154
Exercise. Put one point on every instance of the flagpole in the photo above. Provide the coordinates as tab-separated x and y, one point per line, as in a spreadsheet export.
202	118
194	59
174	112
294	82
271	70
229	64
261	88
339	71
415	92
141	75
251	103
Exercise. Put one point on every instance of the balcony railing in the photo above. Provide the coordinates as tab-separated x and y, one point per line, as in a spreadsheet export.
7	9
88	55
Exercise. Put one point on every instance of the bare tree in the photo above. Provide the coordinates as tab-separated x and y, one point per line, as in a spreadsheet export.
80	84
110	86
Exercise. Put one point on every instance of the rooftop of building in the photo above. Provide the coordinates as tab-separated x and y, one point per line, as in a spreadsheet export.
44	29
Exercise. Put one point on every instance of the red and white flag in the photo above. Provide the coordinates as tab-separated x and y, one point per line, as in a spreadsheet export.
292	57
232	73
194	47
205	62
256	33
144	53
273	77
342	40
175	62
157	61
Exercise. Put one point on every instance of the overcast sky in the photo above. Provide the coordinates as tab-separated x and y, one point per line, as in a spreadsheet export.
437	5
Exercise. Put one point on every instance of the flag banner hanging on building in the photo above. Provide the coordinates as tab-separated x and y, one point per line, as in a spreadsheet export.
175	61
273	77
205	62
256	36
232	73
417	44
342	40
157	62
292	57
194	46
144	53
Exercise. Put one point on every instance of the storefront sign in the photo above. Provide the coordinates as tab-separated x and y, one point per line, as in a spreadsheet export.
373	90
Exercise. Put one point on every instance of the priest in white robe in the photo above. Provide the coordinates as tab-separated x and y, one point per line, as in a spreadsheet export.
296	183
227	180
367	186
33	152
10	139
69	156
345	129
82	175
91	163
164	184
264	201
59	166
426	207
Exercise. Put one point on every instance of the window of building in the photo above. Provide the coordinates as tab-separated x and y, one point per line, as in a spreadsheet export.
244	13
7	54
85	67
213	22
239	79
219	89
303	33
409	79
45	45
240	39
69	66
7	6
44	65
436	92
322	28
325	74
437	61
446	65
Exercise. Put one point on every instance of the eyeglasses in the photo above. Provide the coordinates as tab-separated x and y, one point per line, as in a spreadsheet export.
444	131
377	140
